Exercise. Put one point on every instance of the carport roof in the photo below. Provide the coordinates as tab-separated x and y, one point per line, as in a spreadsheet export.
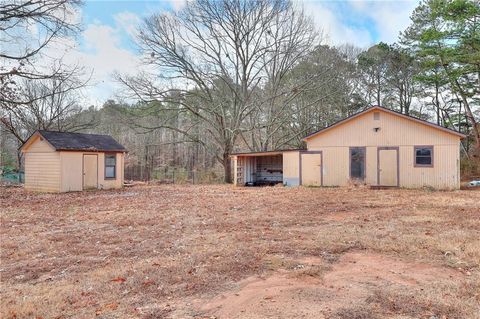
266	153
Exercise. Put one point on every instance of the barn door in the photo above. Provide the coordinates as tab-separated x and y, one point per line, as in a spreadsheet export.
357	163
388	167
90	171
311	169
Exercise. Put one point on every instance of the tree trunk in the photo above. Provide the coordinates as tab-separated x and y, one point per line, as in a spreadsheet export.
227	166
475	129
379	87
2	148
468	111
471	118
406	100
437	103
402	109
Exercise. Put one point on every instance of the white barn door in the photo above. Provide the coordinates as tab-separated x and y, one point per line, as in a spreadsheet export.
388	169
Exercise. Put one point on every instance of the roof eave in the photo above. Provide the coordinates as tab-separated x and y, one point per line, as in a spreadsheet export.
266	152
91	150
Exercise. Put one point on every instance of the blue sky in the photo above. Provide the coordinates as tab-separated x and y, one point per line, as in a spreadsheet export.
104	12
107	46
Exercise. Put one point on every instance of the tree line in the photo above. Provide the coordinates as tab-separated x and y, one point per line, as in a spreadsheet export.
252	75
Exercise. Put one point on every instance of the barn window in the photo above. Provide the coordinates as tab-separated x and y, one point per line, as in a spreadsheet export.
376	115
424	156
110	166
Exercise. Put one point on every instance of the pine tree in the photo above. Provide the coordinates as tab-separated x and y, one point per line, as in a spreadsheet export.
445	38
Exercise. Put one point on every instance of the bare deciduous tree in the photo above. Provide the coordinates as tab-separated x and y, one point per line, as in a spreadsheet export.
54	105
27	29
215	60
318	86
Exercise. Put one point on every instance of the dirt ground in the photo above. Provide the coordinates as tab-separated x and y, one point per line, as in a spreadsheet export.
224	252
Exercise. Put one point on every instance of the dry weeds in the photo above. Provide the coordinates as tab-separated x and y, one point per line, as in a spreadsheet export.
163	251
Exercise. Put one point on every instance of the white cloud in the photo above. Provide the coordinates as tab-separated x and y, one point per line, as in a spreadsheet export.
105	56
102	54
106	50
387	19
128	21
390	18
177	4
336	31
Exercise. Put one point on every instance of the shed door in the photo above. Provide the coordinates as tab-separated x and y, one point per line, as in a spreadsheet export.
311	169
388	167
90	171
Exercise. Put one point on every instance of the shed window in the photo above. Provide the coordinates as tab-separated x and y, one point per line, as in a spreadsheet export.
376	115
110	166
424	156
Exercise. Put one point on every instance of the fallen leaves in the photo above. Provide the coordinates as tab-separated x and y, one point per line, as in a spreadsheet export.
106	308
119	279
148	283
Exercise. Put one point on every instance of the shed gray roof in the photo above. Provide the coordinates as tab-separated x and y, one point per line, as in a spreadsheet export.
65	141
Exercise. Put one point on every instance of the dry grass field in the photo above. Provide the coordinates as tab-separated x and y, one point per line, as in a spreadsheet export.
223	252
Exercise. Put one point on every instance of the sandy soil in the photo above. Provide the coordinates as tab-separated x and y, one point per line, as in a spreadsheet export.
299	294
223	252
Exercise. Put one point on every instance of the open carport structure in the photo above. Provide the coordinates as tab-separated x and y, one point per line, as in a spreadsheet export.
278	167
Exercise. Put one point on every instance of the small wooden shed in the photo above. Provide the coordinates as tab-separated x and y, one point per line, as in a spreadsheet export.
65	162
377	147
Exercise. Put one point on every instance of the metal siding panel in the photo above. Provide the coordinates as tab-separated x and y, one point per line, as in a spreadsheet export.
394	131
371	166
72	175
335	165
311	169
42	171
443	175
291	168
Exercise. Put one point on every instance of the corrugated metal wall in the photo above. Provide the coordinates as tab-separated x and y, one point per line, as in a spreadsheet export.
393	131
291	168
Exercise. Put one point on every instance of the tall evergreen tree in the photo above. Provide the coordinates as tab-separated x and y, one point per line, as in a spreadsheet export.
445	36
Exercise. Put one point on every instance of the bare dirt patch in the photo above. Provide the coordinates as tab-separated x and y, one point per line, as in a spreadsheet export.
200	251
307	291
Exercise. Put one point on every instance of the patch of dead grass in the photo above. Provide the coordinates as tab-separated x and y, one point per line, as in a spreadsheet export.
438	301
173	244
355	312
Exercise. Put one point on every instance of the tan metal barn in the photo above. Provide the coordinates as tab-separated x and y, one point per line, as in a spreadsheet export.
377	147
64	162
